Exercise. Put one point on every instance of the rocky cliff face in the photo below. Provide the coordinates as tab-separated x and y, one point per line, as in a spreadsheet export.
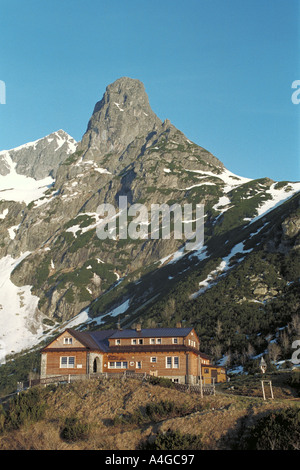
38	159
122	115
125	151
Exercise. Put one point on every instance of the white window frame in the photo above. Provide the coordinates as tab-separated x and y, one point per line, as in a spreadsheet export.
118	364
117	342
175	340
69	364
68	340
158	341
169	362
138	364
152	341
172	362
153	360
134	341
140	341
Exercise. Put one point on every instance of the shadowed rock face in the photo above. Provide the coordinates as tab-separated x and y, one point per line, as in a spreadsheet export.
122	115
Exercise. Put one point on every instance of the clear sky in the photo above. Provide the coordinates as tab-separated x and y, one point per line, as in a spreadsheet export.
220	70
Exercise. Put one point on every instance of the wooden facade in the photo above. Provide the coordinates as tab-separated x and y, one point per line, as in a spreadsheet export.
173	353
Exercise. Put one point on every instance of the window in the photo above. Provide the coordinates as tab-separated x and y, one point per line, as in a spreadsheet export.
141	341
155	341
138	365
153	359
118	365
175	340
68	340
117	342
172	362
67	362
133	341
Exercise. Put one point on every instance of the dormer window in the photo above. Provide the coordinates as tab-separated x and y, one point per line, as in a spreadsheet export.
117	342
68	340
175	340
158	341
133	341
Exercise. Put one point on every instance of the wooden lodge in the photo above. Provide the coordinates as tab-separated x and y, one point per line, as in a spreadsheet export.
173	353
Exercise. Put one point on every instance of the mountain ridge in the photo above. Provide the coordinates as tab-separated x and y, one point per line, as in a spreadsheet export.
50	248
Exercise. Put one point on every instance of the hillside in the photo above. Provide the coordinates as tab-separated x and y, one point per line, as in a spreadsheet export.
239	286
115	414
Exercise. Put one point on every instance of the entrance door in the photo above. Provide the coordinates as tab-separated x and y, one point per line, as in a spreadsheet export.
96	365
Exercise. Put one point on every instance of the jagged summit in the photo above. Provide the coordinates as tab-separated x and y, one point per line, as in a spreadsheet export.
118	118
40	158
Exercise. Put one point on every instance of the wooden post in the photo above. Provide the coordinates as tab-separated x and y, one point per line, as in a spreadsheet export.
200	375
272	396
263	389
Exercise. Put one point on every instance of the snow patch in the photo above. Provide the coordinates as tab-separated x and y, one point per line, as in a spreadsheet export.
4	214
20	327
20	188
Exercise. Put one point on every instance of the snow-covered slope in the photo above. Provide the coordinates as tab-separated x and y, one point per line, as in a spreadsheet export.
21	188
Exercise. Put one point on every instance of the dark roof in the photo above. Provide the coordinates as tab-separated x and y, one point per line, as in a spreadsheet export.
151	333
93	339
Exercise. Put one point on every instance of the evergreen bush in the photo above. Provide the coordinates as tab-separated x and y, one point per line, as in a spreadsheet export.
279	430
75	430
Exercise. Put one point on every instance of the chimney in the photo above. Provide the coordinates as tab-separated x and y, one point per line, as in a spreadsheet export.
178	324
138	327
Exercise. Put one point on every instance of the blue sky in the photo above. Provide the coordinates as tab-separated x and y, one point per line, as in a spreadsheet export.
220	70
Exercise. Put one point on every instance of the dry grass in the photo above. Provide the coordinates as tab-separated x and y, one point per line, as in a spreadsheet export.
218	419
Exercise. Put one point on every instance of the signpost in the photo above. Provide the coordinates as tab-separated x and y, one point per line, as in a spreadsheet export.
263	367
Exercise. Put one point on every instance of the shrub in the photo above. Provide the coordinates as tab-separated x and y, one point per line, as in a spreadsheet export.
173	440
2	419
133	418
75	430
294	381
162	381
279	430
160	409
27	407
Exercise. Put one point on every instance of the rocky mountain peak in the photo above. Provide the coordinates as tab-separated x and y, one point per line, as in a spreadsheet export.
118	118
40	158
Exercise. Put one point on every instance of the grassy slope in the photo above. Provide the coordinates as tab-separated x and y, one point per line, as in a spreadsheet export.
220	420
